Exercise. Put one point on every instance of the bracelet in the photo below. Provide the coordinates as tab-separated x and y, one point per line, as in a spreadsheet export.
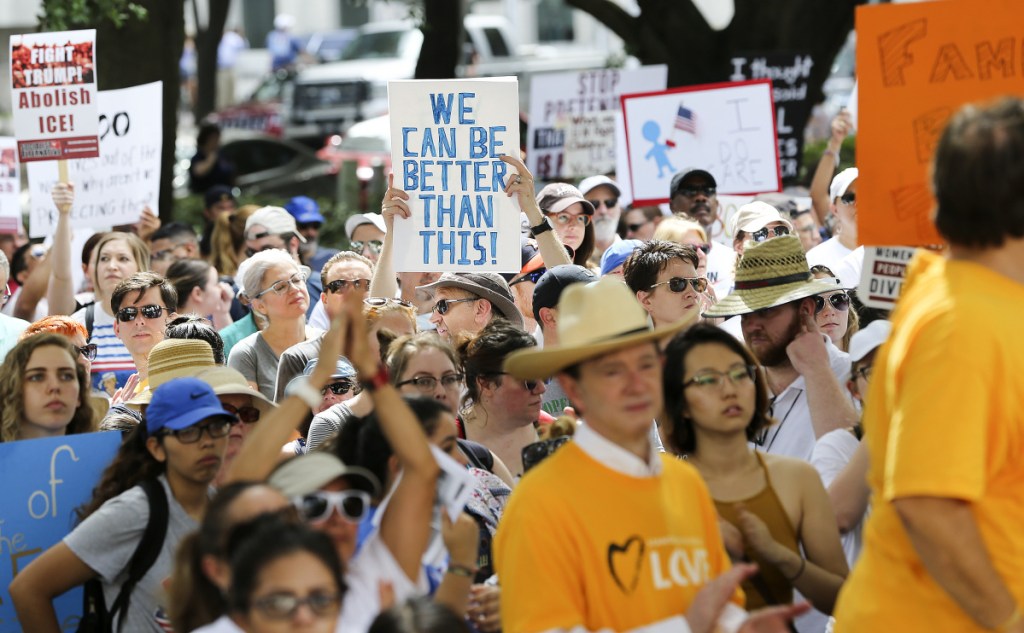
461	570
799	572
1014	618
378	380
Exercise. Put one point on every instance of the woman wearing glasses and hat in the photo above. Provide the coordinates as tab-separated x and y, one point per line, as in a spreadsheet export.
172	458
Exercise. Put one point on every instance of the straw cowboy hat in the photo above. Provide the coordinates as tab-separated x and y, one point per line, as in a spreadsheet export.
769	274
173	358
593	320
227	381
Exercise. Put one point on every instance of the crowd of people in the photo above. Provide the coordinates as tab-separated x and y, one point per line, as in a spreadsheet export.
661	422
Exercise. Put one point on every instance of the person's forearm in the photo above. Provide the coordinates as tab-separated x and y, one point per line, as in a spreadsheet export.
830	407
453	592
205	166
60	296
819	585
822	179
35	613
849	491
384	282
552	251
262	448
404	433
945	535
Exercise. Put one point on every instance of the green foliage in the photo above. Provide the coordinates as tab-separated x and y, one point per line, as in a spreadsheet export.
813	152
62	15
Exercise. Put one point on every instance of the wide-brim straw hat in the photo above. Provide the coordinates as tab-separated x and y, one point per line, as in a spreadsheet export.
227	382
769	274
593	320
173	358
488	286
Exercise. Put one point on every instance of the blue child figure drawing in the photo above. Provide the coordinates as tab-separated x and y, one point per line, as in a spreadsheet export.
658	151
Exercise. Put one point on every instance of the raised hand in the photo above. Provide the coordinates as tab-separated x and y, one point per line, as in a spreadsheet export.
710	601
394	203
807	351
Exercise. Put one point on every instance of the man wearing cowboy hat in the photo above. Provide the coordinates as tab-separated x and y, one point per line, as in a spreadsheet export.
607	533
465	302
776	296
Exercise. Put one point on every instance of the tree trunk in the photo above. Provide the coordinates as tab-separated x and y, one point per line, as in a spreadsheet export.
442	39
145	51
207	41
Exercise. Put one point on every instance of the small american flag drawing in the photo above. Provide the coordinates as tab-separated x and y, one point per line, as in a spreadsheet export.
686	121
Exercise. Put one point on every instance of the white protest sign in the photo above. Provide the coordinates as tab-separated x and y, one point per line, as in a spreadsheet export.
112	189
882	279
563	105
447	139
726	129
53	93
10	186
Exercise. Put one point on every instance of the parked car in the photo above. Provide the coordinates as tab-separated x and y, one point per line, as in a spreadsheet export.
327	46
264	110
368	145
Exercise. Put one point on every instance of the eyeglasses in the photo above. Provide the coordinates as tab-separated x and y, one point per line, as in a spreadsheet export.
341	387
443	305
848	198
427	384
691	192
249	252
373	245
284	606
531	276
305	226
564	219
840	301
704	248
191	434
339	286
159	256
377	302
765	233
247	414
298	280
352	505
633	228
737	375
125	315
863	372
607	202
88	351
678	284
537	452
529	385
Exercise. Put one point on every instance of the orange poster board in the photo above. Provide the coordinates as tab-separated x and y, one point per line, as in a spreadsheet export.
916	65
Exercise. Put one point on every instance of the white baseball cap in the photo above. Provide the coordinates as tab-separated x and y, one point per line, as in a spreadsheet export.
842	182
867	339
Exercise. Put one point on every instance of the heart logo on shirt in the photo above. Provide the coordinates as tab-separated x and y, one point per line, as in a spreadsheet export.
624	563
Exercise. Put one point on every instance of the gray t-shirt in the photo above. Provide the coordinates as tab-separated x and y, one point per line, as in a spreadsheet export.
326	424
258	363
293	361
106	540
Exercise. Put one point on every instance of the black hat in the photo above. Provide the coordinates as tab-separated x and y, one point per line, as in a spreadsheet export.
680	178
216	194
549	287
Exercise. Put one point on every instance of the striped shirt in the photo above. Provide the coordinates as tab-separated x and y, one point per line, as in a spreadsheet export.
112	356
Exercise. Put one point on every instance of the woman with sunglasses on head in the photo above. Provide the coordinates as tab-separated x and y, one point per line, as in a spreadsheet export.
499	411
177	451
773	510
834	312
44	390
276	286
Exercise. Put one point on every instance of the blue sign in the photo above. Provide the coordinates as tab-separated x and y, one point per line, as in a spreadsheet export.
43	482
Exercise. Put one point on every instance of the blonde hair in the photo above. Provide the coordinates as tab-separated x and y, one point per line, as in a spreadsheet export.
675	228
228	238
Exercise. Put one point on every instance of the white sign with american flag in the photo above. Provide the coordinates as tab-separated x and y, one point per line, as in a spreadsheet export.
726	129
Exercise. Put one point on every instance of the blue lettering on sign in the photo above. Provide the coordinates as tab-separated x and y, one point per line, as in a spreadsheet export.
464	109
441	106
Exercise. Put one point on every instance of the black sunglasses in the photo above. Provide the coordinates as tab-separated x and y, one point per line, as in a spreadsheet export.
848	198
607	202
125	315
341	285
529	384
678	284
690	192
840	301
88	351
765	233
247	414
537	452
633	228
341	387
704	248
531	276
443	305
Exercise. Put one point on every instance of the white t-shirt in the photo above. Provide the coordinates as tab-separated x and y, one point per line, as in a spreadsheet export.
831	454
721	268
829	253
850	268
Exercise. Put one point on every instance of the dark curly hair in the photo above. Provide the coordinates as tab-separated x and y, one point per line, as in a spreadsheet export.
681	438
483	355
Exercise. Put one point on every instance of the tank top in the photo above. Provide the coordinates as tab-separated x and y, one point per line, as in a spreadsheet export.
769	586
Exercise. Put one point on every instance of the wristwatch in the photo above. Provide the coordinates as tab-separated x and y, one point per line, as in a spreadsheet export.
300	388
541	228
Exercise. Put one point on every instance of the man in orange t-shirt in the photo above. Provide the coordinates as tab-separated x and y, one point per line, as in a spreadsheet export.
944	416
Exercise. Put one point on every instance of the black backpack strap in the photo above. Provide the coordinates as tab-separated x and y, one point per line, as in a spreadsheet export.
149	547
478	454
90	319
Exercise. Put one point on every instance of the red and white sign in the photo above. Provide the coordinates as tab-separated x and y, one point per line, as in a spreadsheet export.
53	93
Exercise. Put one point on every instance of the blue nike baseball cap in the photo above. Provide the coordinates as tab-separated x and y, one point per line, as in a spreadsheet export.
182	402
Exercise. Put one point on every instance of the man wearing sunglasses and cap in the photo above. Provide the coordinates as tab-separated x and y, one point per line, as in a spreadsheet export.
466	302
775	296
693	194
843	194
607	533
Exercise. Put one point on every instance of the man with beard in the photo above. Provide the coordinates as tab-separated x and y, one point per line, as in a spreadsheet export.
603	193
778	297
693	194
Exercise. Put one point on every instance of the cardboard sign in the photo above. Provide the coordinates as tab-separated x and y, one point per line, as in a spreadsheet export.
447	138
882	277
789	74
917	64
570	123
10	186
53	91
726	129
45	480
112	189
